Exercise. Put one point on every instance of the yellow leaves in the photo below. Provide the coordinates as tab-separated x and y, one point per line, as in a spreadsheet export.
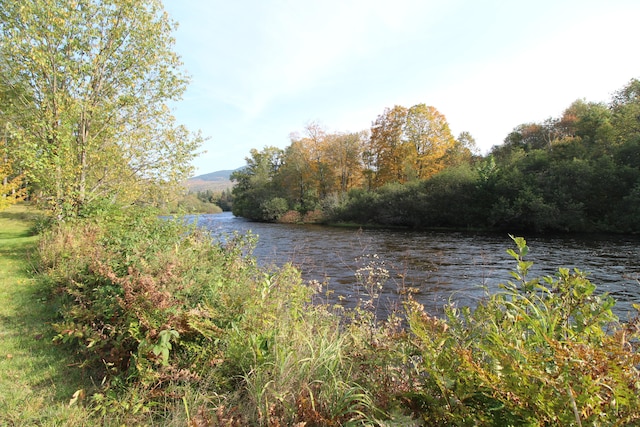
11	190
409	143
77	397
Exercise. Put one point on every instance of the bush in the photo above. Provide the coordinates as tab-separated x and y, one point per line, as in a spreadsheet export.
541	352
273	209
135	293
183	327
154	308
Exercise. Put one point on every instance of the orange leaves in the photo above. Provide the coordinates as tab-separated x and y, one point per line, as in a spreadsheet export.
409	143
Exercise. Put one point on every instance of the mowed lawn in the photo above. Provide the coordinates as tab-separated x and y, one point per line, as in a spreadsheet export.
37	380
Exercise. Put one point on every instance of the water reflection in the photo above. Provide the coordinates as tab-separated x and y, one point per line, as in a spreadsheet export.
435	266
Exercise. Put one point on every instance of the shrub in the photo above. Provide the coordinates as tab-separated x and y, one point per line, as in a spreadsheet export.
290	217
157	308
543	351
177	323
135	293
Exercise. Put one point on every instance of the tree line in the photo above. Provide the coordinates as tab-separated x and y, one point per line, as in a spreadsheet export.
579	172
320	168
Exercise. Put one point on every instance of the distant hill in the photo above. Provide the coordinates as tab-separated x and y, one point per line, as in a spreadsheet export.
214	181
214	176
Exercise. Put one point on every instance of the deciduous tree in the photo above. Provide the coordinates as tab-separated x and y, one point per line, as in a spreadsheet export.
386	146
428	138
255	184
94	119
626	112
409	143
11	186
344	151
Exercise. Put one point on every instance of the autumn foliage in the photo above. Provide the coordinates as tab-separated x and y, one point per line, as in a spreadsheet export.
319	169
169	325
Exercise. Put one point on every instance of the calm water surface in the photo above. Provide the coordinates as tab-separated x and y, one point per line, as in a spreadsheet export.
435	266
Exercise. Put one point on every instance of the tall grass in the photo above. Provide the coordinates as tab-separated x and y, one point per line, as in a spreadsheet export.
169	327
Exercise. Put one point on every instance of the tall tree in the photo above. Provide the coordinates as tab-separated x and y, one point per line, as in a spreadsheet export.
463	150
409	143
626	112
12	188
94	120
428	138
589	121
297	177
386	146
344	151
256	184
316	143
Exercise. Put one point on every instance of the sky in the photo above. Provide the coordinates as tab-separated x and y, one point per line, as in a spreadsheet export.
263	69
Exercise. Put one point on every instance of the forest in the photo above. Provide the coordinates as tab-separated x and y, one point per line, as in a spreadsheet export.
579	172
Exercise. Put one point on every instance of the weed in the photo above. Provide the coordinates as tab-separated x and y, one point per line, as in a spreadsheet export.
543	351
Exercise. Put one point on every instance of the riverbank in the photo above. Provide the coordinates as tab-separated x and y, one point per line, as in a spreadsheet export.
178	329
36	381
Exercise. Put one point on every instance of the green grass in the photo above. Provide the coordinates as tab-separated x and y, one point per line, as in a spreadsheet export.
36	379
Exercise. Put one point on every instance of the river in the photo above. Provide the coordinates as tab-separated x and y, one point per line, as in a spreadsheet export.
436	267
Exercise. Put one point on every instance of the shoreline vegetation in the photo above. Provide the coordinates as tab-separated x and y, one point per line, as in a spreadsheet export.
130	319
576	173
111	315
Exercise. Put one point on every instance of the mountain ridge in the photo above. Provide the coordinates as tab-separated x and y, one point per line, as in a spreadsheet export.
216	181
221	175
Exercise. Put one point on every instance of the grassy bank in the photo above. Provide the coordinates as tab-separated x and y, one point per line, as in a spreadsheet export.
36	383
175	329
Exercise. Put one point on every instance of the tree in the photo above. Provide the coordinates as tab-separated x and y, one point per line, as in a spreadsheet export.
589	121
296	177
96	80
11	186
463	150
315	143
386	148
12	189
255	184
409	143
626	112
428	138
344	152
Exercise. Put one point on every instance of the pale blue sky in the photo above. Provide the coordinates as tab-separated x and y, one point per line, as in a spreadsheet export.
264	69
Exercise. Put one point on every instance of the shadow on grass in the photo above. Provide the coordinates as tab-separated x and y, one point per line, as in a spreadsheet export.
21	213
53	367
40	375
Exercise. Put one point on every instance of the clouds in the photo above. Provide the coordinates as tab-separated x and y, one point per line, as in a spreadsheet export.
261	69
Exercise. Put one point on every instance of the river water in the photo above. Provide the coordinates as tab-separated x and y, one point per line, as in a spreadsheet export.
436	267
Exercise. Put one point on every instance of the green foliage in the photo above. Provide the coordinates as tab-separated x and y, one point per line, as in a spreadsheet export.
175	326
360	207
575	173
224	199
153	308
191	203
255	183
273	209
86	88
544	351
36	381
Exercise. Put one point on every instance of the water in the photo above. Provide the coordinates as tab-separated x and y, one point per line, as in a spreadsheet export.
436	267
